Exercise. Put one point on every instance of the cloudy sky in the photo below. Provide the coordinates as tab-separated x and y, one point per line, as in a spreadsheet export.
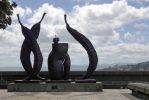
118	29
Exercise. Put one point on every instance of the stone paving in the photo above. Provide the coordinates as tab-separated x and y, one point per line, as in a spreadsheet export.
107	94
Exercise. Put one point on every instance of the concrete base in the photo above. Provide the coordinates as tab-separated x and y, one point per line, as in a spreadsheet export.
140	90
58	81
28	81
86	81
55	87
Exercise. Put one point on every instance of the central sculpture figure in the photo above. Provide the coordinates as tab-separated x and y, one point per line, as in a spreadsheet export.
59	61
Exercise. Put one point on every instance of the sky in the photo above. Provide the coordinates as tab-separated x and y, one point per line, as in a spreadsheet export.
118	29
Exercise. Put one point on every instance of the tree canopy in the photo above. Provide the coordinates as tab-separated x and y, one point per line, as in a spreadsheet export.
6	11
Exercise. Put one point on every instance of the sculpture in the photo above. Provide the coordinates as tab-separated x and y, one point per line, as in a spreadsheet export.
30	44
93	58
59	61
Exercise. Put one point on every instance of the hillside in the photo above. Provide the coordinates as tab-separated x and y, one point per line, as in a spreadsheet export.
143	66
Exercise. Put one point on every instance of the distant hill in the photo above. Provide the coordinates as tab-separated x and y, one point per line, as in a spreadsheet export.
143	66
118	67
45	68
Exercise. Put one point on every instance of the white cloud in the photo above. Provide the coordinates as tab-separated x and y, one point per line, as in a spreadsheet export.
54	15
140	1
102	20
140	26
28	11
23	12
98	22
135	37
124	53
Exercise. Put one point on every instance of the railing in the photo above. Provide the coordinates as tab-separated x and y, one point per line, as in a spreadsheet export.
110	79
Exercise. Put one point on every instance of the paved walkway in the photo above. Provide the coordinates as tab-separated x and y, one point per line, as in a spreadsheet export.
107	94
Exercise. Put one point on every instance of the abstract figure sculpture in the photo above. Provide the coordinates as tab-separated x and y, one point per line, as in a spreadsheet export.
30	44
93	59
59	61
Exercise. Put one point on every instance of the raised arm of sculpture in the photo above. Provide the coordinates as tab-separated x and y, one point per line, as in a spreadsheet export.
93	58
36	27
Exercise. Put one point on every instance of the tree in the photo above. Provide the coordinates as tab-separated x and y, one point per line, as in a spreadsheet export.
6	11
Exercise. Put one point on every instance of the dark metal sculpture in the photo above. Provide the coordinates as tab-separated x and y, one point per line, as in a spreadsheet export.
59	61
30	44
93	58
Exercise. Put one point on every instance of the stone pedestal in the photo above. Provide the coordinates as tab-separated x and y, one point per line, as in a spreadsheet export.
58	81
55	87
28	81
86	81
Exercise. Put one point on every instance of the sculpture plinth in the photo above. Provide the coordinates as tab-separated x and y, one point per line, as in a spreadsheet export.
55	87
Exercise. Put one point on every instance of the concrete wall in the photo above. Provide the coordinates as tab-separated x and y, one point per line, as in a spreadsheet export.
110	79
